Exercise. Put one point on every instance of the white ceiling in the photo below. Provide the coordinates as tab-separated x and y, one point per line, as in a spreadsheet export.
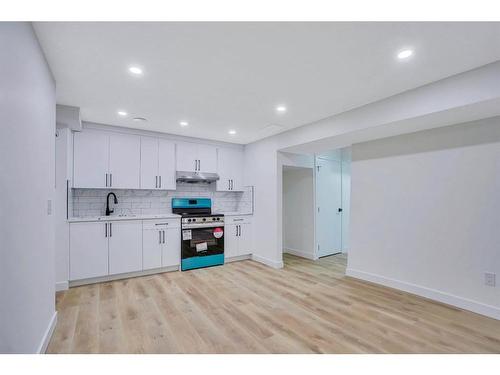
221	76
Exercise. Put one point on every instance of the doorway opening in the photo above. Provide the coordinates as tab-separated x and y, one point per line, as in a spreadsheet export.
298	211
333	194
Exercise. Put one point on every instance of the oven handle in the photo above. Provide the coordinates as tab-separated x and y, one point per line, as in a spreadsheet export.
201	226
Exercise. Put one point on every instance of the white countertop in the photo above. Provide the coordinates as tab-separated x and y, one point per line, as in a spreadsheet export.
125	217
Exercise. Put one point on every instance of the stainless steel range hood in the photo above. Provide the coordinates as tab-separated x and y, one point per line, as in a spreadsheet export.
196	177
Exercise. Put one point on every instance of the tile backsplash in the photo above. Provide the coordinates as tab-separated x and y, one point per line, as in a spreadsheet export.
92	202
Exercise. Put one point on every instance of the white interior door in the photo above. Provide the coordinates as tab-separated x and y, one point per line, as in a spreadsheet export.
328	202
149	163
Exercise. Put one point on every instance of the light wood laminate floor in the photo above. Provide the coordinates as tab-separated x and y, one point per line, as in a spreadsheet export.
246	307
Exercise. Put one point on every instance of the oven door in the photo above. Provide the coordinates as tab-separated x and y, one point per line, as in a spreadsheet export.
202	247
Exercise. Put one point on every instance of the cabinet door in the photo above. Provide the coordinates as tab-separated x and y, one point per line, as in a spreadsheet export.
171	253
237	170
125	247
124	161
207	156
230	241
229	168
151	249
166	169
245	239
149	163
186	156
90	160
88	250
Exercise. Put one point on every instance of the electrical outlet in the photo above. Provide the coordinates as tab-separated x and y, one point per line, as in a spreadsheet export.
489	279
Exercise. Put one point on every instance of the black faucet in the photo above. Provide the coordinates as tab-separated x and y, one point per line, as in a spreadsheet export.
108	211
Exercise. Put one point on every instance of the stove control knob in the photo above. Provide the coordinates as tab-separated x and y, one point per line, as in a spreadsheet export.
218	218
189	220
204	219
194	220
213	219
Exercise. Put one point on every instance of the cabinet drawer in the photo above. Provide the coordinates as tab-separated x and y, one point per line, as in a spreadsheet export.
247	219
157	224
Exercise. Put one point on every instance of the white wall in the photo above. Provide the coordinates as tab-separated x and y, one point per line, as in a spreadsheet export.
425	213
298	212
471	95
27	148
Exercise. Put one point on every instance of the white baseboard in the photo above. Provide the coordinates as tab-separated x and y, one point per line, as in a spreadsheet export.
450	299
42	348
299	253
267	262
238	258
62	285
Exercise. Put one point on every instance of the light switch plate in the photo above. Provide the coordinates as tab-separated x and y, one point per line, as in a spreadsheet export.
489	279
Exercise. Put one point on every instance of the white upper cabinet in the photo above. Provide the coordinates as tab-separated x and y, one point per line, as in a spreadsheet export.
103	159
207	159
157	164
187	157
124	161
166	165
149	163
229	168
194	157
90	160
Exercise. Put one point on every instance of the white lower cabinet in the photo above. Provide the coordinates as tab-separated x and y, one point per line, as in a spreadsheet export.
171	250
161	243
99	249
238	236
125	246
88	250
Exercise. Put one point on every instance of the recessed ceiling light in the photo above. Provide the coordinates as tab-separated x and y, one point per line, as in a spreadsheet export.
232	132
281	109
184	123
122	113
404	54
140	119
135	70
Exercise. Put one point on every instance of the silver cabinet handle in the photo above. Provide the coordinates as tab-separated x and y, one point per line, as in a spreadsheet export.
237	219
106	180
159	177
199	164
159	236
236	230
156	181
110	179
106	230
228	184
111	229
232	184
239	230
163	236
162	224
